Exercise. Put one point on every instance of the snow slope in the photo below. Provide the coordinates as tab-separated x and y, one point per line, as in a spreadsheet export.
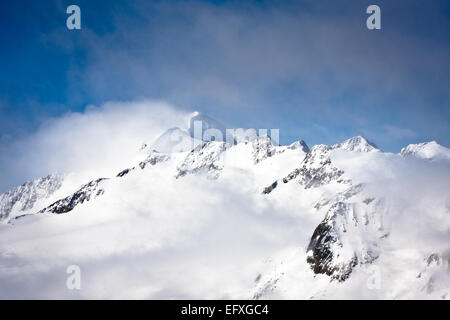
247	220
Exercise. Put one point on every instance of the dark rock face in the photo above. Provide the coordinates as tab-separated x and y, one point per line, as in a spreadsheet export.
269	189
321	249
349	235
124	172
321	255
87	192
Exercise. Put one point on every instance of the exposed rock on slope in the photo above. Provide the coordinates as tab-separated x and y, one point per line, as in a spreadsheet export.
206	158
348	235
315	170
86	193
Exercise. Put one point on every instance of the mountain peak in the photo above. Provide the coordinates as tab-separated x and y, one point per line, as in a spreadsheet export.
200	122
299	144
358	143
426	150
173	140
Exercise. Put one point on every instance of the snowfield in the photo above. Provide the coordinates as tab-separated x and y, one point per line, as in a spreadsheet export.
251	220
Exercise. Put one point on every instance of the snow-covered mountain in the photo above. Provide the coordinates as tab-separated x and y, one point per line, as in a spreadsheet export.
357	144
200	128
200	123
426	150
28	196
242	219
173	140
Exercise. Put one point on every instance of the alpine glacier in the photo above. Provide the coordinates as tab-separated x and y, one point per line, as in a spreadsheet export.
251	219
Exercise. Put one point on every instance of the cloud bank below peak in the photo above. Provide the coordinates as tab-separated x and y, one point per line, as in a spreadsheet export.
98	140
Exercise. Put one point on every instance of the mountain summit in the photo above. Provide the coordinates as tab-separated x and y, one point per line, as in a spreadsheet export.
199	123
358	143
426	150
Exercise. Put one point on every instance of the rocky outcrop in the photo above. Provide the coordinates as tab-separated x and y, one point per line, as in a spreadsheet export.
349	235
86	193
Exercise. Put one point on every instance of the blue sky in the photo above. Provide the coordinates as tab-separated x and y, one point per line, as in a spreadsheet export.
310	68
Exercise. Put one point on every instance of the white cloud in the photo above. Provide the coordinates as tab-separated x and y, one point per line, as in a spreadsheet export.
99	140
